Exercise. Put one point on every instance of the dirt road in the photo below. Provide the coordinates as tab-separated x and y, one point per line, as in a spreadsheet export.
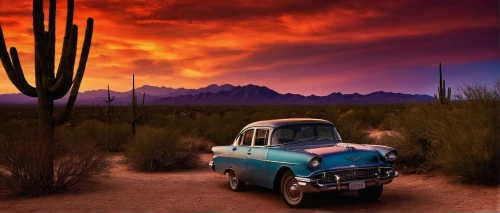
204	190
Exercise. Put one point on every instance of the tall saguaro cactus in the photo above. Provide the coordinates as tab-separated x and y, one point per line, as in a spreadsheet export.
109	100
50	86
136	117
441	97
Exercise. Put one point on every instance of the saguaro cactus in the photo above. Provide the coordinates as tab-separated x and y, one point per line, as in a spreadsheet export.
136	117
109	100
441	96
49	86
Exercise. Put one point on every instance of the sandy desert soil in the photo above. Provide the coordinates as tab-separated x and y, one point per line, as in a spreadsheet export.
204	190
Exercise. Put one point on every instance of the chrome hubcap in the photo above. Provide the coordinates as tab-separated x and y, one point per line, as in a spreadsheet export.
293	190
233	179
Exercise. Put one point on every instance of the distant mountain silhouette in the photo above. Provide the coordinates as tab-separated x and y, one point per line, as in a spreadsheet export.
97	96
257	95
225	94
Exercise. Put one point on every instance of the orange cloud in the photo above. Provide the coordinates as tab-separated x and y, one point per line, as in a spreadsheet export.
193	43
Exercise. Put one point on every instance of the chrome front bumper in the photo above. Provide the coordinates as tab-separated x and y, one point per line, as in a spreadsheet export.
309	185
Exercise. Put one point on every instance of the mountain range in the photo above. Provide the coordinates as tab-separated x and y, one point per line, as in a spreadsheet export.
223	95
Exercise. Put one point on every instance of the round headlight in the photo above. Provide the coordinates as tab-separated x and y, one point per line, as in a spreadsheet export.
314	163
391	156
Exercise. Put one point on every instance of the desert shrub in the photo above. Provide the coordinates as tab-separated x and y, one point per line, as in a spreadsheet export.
465	139
386	124
410	155
353	131
198	143
411	142
160	149
76	165
462	138
109	138
358	115
375	117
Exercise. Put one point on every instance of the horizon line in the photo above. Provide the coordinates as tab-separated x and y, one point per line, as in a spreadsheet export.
250	84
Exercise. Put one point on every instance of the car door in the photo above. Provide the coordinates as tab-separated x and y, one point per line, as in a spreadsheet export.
257	157
239	154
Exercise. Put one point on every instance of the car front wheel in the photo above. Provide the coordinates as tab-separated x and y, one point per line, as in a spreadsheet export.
371	193
235	183
291	193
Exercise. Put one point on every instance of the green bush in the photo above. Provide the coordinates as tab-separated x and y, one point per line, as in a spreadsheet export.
109	138
411	142
462	138
352	130
160	149
410	155
375	117
465	139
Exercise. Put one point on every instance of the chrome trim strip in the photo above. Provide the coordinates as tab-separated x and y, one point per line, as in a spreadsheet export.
300	179
272	161
340	170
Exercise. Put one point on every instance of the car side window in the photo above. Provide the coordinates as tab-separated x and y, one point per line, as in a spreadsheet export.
247	138
282	135
325	131
261	137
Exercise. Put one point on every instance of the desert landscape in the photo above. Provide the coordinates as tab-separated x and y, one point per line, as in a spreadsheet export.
123	115
203	190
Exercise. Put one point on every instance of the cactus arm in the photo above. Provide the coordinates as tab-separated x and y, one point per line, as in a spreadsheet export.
27	89
51	43
39	34
440	75
14	70
67	36
63	82
134	98
79	73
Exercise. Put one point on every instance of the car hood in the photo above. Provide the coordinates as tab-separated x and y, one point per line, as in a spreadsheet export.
340	154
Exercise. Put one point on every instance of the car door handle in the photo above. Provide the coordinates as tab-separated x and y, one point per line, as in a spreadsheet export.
234	148
249	153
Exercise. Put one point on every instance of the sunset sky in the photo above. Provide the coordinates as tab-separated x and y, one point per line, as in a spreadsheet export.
297	46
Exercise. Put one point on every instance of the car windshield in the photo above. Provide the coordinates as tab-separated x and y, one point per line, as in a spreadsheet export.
304	133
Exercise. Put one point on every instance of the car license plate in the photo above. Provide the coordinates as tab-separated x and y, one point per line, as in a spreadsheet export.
356	185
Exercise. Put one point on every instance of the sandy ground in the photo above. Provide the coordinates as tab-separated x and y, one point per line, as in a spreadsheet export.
204	190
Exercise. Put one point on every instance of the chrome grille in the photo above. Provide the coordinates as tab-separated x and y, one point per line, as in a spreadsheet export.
348	175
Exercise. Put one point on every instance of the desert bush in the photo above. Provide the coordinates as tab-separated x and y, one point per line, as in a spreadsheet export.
465	139
109	138
353	131
410	155
75	166
411	142
462	138
198	143
160	149
375	117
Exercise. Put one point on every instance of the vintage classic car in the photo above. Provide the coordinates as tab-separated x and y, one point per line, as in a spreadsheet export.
301	156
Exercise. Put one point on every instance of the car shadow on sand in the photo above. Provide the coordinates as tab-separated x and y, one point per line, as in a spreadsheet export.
325	200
